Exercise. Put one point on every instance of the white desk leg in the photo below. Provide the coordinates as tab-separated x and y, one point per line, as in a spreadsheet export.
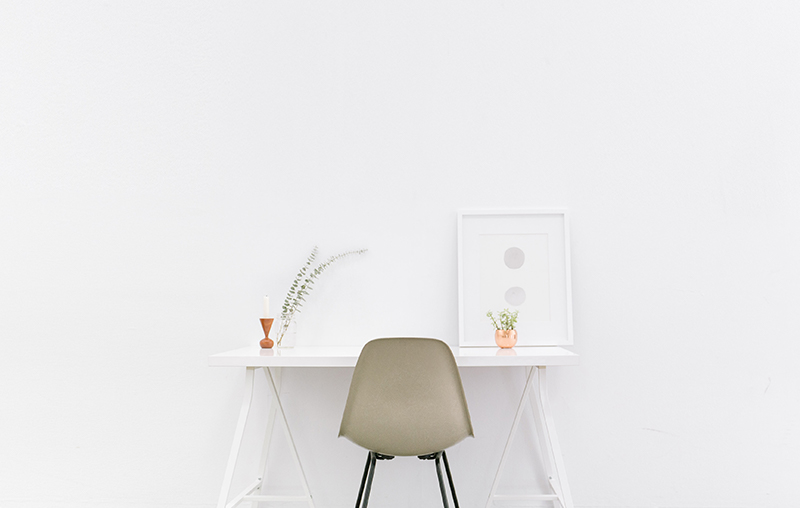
279	406
551	439
273	409
545	449
237	437
548	441
517	418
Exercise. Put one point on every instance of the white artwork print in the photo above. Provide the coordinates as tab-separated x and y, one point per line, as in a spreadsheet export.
516	260
514	274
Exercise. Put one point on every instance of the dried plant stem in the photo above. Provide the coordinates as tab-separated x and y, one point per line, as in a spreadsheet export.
302	285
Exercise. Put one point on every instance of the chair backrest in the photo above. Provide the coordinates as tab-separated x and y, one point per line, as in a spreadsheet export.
406	398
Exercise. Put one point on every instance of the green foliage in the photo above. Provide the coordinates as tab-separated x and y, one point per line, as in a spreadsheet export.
506	319
303	284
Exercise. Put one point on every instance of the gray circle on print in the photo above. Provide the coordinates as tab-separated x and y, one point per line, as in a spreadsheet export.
515	296
514	258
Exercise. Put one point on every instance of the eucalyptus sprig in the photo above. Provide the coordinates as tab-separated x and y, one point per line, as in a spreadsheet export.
507	319
302	285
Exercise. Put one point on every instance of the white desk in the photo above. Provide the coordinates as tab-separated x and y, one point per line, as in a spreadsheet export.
272	360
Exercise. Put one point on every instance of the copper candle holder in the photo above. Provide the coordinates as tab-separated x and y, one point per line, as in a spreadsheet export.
266	324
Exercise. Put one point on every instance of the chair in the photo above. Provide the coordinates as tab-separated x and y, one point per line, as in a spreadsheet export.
406	399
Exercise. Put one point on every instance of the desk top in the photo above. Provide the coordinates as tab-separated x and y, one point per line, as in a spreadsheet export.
346	356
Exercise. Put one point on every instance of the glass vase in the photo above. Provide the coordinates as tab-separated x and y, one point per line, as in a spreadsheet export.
289	339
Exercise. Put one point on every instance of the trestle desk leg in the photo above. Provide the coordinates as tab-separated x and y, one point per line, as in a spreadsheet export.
273	409
548	442
554	449
545	449
279	406
517	418
237	437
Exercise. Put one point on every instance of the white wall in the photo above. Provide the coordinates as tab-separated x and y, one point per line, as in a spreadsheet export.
165	164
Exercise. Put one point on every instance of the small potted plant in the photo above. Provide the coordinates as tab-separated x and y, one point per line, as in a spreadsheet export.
505	334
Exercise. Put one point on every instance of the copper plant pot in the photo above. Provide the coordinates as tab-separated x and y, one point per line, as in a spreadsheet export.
505	338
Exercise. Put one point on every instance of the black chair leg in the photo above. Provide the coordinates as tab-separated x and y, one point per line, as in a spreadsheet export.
367	469
441	480
367	490
369	474
450	479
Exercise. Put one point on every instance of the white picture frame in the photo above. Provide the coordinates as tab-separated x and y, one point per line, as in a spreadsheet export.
520	260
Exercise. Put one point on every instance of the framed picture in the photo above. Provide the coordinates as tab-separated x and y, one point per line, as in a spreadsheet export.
516	260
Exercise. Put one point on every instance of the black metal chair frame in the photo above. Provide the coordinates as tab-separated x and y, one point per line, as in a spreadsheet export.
369	473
